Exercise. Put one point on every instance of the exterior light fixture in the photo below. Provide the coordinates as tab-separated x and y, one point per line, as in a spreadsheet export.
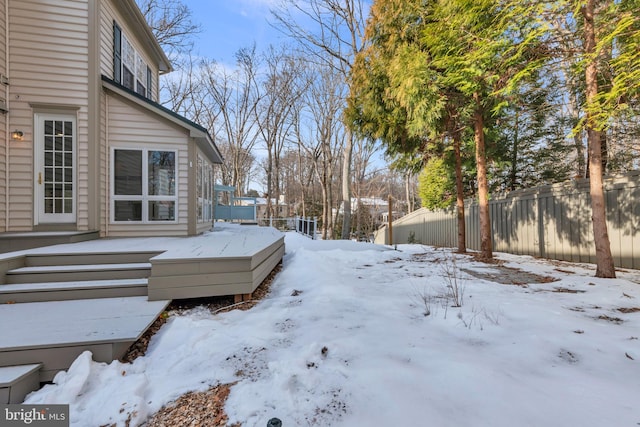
17	135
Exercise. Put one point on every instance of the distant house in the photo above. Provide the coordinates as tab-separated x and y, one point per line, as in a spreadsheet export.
85	144
279	206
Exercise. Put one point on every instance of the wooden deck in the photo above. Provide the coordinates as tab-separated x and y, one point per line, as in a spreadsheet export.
101	296
232	265
55	333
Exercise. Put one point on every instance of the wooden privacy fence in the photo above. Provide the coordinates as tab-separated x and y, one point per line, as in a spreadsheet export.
551	221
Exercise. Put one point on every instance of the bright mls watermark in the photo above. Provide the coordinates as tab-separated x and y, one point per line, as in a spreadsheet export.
34	415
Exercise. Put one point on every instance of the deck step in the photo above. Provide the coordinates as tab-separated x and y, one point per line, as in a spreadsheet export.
18	381
61	291
55	333
68	273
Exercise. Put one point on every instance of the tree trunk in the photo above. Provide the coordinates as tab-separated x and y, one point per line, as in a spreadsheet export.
346	186
604	260
269	183
407	190
462	245
486	245
574	108
514	154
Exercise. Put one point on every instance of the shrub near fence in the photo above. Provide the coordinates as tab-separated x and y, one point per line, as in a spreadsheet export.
551	221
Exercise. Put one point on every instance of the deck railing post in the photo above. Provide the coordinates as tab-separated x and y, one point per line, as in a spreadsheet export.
315	227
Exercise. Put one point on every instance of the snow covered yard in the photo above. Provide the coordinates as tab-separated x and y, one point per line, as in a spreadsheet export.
344	339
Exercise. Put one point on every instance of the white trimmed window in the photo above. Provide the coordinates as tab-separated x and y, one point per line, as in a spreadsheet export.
204	184
144	186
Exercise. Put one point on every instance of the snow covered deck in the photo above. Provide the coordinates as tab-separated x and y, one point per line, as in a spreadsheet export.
54	333
102	295
233	264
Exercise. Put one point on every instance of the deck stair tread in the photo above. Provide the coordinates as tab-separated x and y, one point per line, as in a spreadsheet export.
80	267
78	284
76	322
16	381
10	375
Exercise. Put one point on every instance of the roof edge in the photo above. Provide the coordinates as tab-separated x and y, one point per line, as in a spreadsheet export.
196	131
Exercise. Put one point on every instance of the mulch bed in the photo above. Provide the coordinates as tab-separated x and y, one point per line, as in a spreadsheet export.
195	410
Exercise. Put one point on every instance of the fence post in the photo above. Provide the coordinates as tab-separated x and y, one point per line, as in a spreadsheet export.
315	227
390	221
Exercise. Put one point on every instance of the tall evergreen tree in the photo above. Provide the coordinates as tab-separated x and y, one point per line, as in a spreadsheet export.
611	44
433	67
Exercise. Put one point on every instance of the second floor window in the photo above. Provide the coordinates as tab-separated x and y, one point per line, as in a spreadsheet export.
130	70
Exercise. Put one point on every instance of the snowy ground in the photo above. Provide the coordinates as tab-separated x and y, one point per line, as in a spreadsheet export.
343	340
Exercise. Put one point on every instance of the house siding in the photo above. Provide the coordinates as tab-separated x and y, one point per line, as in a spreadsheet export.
109	13
129	126
4	148
51	37
57	51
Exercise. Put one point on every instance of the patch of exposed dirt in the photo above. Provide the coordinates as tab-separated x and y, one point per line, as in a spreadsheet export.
615	320
561	270
629	309
477	256
568	291
509	276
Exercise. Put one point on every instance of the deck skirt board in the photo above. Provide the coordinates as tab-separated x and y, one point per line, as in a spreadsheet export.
207	277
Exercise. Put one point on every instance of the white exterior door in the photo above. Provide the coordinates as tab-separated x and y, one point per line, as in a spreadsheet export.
55	168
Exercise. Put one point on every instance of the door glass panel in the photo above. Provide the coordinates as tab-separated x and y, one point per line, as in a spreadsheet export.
58	166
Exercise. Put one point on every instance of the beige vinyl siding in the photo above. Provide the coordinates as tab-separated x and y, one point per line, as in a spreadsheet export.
104	166
130	126
107	16
4	136
48	48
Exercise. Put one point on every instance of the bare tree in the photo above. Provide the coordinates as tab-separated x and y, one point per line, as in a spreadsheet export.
320	134
281	91
332	39
172	25
362	156
231	101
